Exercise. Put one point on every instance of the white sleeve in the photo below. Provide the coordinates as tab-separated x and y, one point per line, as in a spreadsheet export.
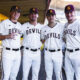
62	30
79	27
2	28
64	34
23	29
42	34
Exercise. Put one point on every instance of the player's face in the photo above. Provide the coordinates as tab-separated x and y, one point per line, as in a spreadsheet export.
33	16
51	18
15	15
70	16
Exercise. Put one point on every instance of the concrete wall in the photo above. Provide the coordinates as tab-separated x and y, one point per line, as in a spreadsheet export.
61	4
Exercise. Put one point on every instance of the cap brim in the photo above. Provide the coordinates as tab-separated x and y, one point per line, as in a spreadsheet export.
69	11
34	12
50	14
15	11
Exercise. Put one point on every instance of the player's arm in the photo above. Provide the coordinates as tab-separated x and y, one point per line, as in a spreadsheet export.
64	40
63	37
43	41
42	37
3	36
10	36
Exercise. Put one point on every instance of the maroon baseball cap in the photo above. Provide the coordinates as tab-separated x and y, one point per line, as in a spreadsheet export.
50	12
15	8
69	8
33	10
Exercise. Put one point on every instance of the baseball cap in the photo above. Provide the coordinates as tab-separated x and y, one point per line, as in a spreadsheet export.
33	10
69	8
15	8
50	12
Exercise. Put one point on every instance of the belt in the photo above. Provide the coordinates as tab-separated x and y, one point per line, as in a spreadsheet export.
21	47
50	50
72	50
32	49
17	49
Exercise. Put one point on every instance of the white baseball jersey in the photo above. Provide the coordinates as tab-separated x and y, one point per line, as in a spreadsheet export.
52	36
10	58
8	27
72	34
72	59
31	39
53	41
31	36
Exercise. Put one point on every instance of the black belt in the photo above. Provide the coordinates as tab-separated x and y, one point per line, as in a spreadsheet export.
71	50
21	47
52	50
32	49
17	49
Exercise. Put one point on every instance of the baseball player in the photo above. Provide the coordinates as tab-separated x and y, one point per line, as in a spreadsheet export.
31	43
10	32
72	39
51	36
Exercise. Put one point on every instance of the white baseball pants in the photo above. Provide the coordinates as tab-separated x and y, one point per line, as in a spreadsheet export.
72	65
10	63
53	60
31	58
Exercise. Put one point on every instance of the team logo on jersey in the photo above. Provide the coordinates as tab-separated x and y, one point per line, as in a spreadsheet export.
33	9
14	30
51	11
52	35
68	8
9	25
45	31
27	27
34	30
70	31
16	7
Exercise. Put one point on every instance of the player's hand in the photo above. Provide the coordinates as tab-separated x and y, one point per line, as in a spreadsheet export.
11	36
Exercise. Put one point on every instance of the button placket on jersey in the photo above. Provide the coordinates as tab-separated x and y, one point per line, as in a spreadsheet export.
51	30
34	35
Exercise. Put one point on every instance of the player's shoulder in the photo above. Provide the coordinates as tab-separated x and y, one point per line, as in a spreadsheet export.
19	23
25	24
5	21
77	21
40	25
60	24
45	27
